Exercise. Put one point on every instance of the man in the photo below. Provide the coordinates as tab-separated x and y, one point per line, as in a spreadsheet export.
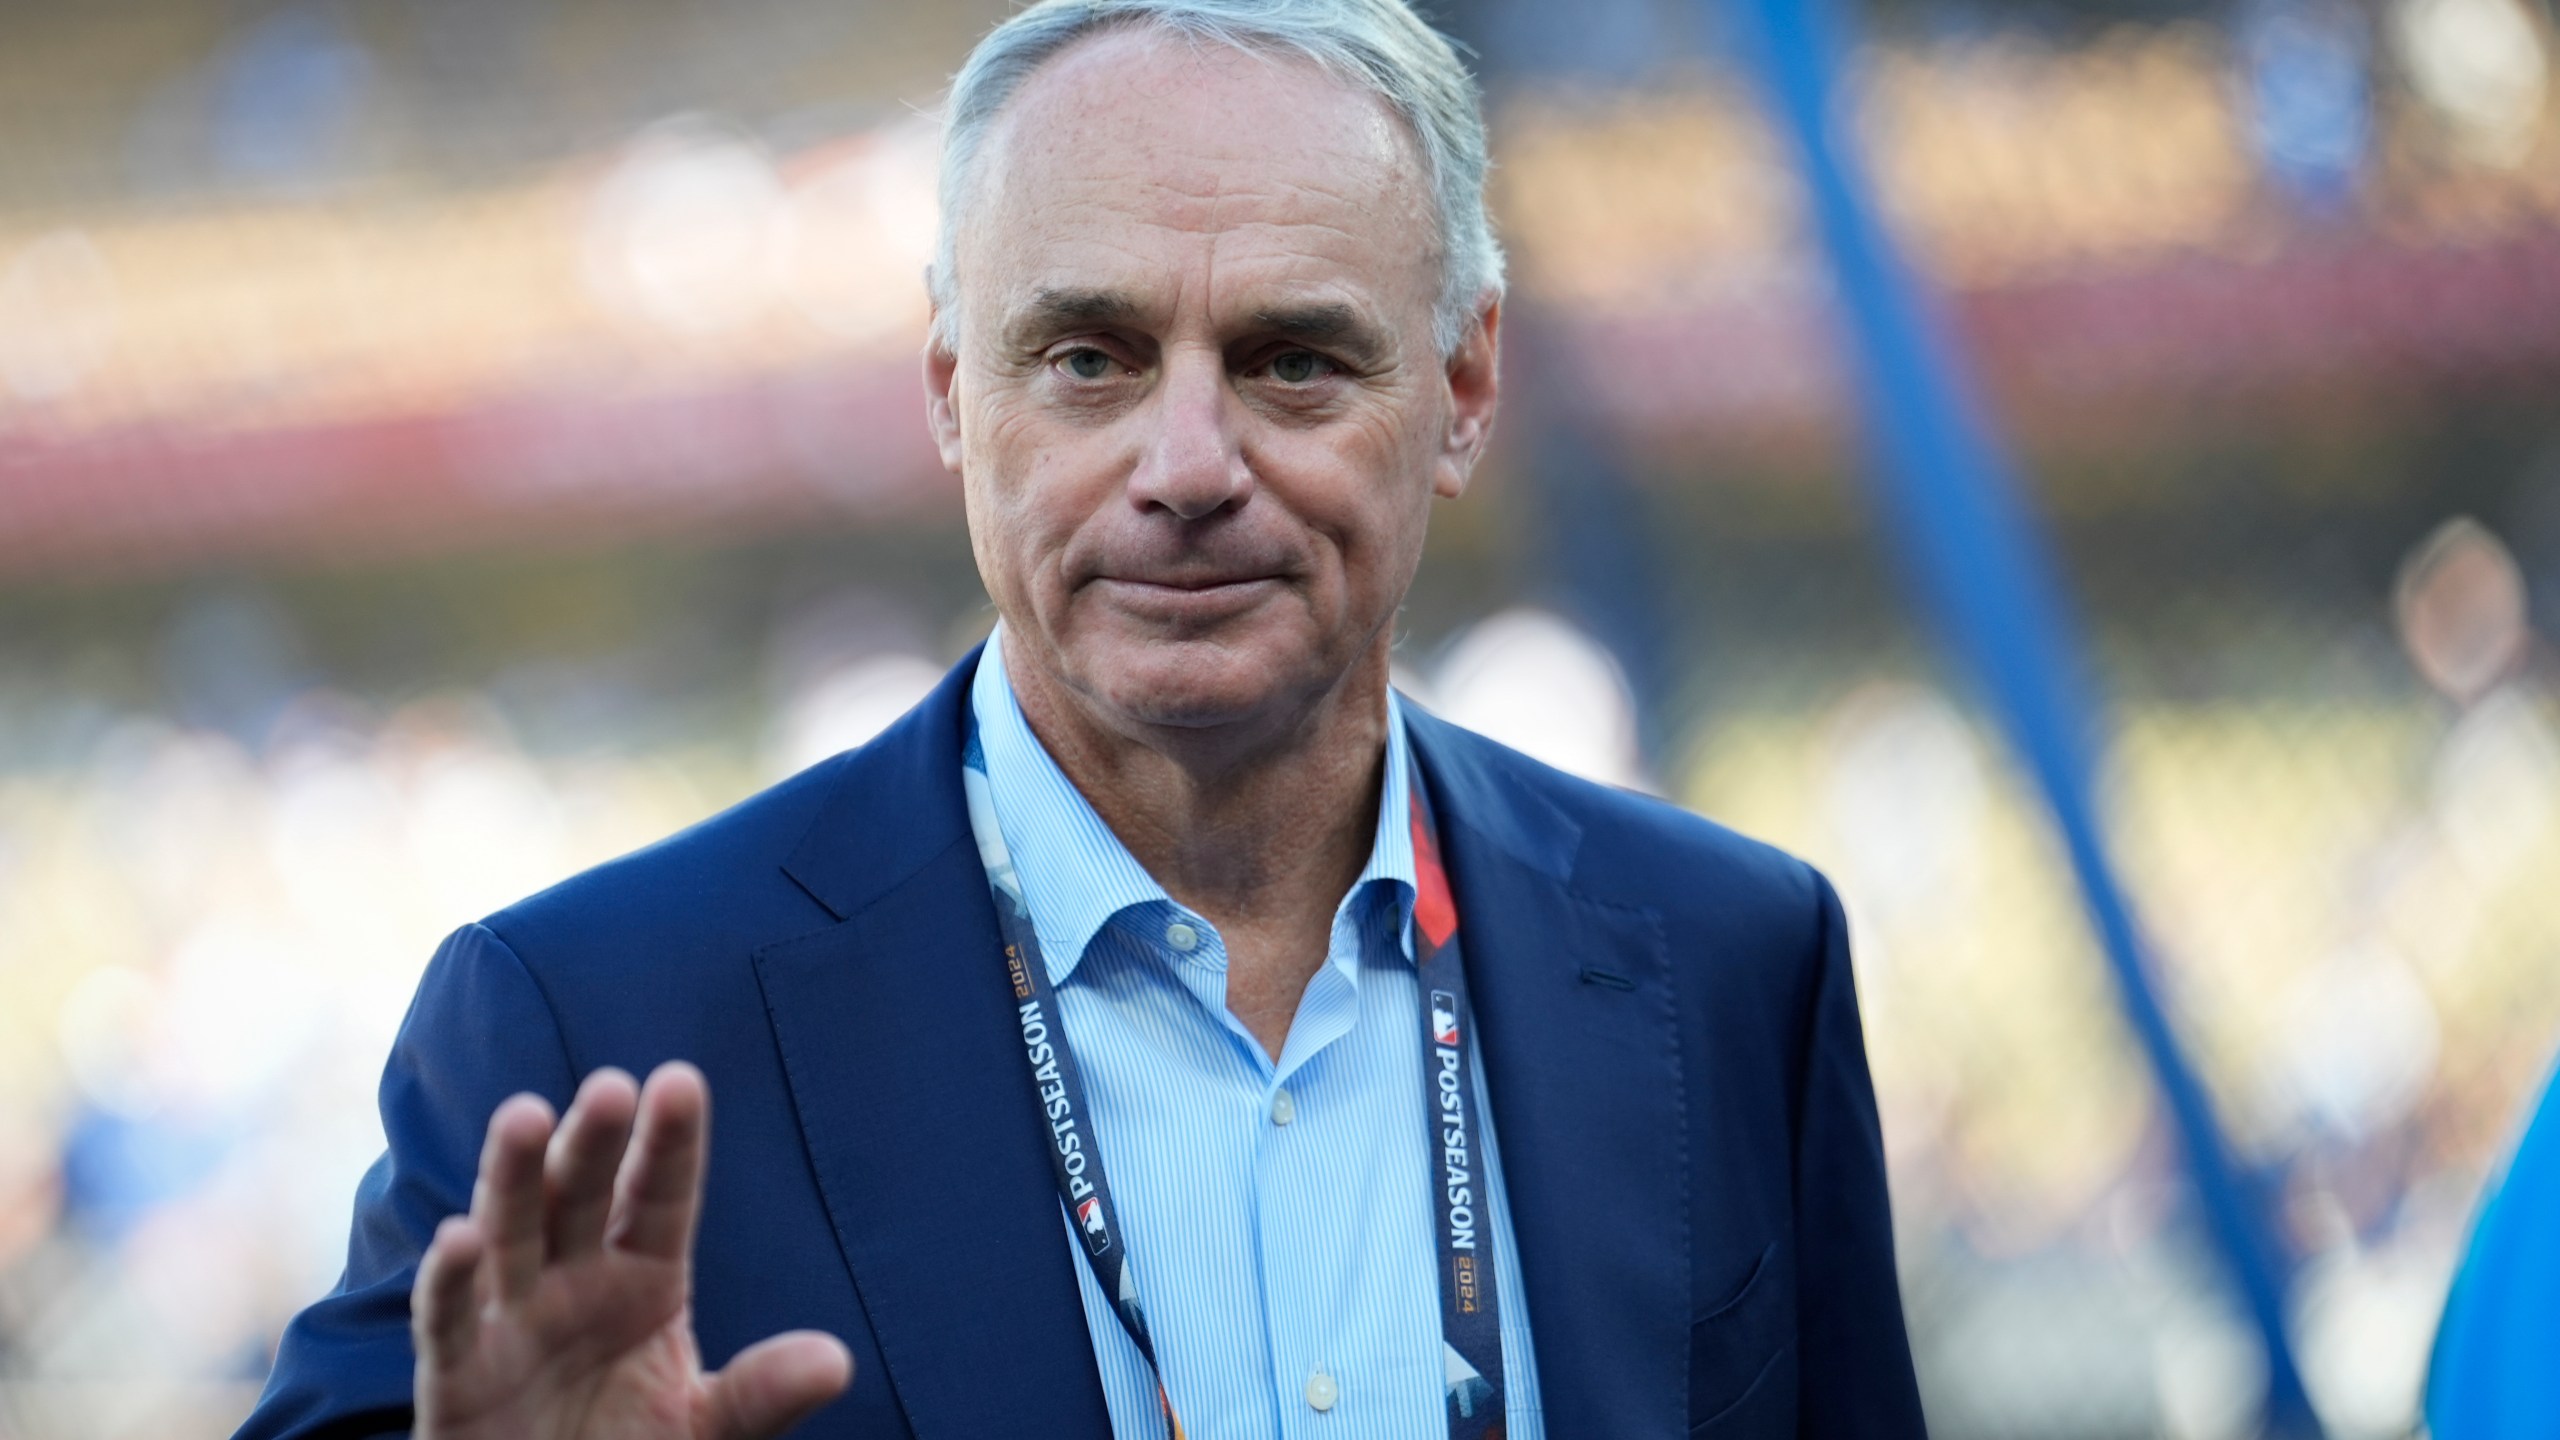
1161	1029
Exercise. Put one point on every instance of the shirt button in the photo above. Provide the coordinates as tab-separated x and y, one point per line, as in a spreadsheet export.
1322	1392
1182	937
1283	1109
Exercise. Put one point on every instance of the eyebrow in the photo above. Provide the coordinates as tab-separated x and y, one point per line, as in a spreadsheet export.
1331	325
1327	324
1053	311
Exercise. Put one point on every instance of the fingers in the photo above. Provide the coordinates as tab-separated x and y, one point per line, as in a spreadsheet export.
556	1191
507	1198
585	1153
660	1189
773	1384
444	1307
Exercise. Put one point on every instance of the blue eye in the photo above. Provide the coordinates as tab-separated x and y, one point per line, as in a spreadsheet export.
1297	367
1087	364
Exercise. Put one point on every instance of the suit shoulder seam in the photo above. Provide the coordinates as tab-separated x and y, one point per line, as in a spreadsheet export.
532	977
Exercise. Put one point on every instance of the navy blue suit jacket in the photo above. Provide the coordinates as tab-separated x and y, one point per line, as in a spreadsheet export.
1669	1029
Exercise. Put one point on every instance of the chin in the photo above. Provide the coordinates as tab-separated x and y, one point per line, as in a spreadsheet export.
1193	684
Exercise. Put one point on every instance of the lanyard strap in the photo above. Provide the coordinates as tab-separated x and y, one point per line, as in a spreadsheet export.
1470	1313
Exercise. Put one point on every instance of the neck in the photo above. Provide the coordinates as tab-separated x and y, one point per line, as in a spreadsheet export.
1261	830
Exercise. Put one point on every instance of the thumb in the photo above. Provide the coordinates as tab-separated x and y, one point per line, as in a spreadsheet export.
772	1385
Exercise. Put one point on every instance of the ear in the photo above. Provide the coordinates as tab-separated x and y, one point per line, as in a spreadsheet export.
941	410
1474	373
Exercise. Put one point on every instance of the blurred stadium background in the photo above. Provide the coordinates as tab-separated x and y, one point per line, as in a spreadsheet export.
444	443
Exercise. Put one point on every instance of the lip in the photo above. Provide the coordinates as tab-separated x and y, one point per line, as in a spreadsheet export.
1187	598
1189	585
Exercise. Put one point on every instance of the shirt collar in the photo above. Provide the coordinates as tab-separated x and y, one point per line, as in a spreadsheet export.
1074	872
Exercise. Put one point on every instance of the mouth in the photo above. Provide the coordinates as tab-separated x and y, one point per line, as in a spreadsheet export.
1188	584
1191	598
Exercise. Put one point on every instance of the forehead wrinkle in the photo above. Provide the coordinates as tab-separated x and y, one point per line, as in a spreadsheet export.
1081	263
1207	202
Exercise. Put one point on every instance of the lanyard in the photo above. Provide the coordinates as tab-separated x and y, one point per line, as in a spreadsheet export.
1470	1317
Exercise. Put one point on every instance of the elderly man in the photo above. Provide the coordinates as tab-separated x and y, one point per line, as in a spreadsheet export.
1161	1030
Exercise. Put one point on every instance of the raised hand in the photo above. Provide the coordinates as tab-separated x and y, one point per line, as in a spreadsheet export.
559	1308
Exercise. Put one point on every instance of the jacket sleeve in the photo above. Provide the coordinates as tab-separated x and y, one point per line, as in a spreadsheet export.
1856	1373
478	1031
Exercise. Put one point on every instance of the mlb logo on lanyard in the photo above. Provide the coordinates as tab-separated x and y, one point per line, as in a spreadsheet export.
1444	1018
1089	1215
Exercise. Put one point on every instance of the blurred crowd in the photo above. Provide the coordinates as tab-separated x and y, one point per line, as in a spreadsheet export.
2351	904
206	942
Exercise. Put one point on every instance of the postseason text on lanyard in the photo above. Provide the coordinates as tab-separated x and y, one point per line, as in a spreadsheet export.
1470	1317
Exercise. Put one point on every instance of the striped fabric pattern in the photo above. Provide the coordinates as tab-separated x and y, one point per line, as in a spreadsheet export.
1278	1214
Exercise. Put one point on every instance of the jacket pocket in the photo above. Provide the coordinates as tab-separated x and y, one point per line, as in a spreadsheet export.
1735	1348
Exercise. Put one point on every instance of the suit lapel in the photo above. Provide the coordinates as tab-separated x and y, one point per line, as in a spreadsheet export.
1574	1000
896	1033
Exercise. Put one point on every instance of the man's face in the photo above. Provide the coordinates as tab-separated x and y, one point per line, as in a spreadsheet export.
1197	408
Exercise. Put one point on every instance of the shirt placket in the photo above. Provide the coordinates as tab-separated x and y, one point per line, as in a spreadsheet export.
1297	1227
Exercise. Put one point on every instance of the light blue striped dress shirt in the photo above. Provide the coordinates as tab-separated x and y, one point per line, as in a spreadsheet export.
1278	1215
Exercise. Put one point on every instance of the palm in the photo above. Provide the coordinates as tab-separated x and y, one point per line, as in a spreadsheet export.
601	1348
557	1309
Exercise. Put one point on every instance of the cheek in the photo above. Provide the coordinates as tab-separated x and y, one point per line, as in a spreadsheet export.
1013	536
987	543
1398	448
1019	489
1370	497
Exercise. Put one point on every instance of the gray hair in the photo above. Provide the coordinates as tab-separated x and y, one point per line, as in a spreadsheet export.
1379	46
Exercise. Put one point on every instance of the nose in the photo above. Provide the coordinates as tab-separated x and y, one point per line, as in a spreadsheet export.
1192	464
